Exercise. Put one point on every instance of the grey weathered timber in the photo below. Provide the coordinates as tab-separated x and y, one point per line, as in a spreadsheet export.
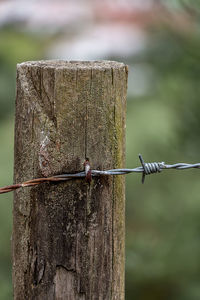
68	237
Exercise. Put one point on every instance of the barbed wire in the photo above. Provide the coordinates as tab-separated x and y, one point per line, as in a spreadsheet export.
145	169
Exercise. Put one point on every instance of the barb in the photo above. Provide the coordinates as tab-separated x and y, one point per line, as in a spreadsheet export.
145	169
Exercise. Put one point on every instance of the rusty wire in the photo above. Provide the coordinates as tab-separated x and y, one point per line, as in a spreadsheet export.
145	169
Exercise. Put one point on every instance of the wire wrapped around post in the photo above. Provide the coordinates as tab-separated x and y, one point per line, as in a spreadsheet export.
145	169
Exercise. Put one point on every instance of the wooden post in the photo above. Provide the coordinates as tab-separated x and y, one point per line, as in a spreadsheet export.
68	238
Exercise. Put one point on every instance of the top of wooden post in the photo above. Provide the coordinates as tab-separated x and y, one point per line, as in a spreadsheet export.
73	64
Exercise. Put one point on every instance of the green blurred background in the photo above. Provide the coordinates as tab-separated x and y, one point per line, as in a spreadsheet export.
160	41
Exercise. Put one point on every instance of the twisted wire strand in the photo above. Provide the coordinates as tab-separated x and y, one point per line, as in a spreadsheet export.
145	169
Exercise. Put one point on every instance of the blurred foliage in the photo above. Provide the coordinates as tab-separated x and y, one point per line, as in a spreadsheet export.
163	216
6	171
15	47
191	6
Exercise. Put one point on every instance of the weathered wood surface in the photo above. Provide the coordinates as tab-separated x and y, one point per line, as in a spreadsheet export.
68	238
